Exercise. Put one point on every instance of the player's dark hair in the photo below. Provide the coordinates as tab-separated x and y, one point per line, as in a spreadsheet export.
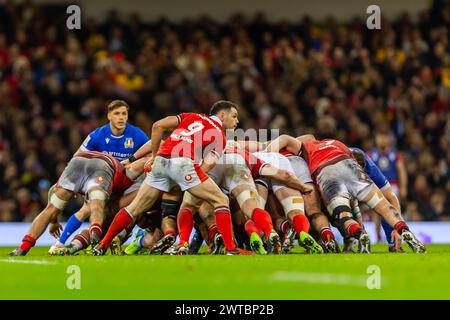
117	104
222	105
359	157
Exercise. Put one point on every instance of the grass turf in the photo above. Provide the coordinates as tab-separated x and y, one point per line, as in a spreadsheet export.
292	276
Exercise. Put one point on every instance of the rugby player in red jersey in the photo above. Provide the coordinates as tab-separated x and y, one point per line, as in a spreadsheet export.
235	174
94	174
339	179
176	162
312	204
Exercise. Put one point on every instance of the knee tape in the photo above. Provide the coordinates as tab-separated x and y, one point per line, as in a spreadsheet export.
57	202
131	173
98	195
51	192
339	201
293	203
376	198
170	208
262	201
341	222
356	211
245	195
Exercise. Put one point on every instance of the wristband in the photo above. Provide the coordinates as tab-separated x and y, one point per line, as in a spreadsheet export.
132	159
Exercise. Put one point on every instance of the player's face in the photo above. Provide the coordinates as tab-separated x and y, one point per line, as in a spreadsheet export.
382	141
118	118
230	119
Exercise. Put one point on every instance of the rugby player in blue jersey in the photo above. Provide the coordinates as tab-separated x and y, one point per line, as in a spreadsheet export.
374	172
117	138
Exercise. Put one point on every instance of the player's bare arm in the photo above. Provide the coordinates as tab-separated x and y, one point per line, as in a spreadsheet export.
392	198
284	142
210	161
285	177
158	129
251	146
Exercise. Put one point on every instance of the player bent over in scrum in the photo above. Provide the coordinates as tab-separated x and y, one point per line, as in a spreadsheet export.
194	136
374	173
317	218
291	200
235	175
93	174
339	178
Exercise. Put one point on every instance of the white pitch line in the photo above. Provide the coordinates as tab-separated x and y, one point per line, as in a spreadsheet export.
320	278
27	261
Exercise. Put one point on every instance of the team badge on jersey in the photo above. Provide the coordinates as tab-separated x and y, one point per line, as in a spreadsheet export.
188	178
100	179
129	143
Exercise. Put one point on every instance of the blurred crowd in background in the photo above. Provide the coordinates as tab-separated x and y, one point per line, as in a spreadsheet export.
332	79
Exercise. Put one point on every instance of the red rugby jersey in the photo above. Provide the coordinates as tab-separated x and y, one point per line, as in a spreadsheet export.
196	136
318	153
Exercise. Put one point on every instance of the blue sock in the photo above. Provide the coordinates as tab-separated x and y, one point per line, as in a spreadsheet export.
387	231
72	225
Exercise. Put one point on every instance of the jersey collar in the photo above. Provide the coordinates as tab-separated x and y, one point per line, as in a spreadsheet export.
216	118
114	136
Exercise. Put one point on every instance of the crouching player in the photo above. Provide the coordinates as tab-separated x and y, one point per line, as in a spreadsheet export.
235	173
194	137
290	199
95	175
372	170
340	178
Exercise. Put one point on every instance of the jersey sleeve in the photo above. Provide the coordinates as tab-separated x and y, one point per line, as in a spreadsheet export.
90	143
142	138
181	116
256	165
375	173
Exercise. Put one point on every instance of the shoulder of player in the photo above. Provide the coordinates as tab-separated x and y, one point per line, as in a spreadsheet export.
98	132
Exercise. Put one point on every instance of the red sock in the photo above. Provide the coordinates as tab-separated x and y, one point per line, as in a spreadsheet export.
120	222
300	223
326	234
212	232
251	227
285	226
84	243
185	224
225	226
263	220
401	227
355	230
95	232
27	243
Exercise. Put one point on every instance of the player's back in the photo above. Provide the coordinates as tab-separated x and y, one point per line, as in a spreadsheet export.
195	136
120	180
323	152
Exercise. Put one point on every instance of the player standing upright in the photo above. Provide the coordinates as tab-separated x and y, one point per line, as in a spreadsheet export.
194	137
